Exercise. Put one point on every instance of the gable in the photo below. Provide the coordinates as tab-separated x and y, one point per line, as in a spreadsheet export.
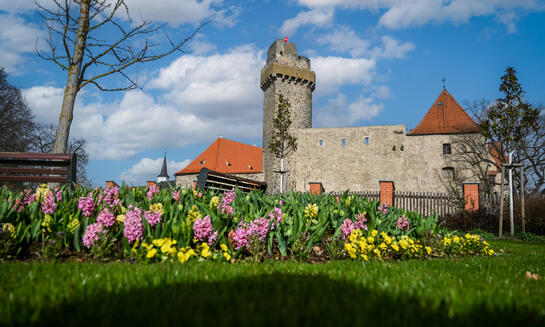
445	116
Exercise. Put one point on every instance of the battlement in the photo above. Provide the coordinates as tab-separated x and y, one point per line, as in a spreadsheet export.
284	63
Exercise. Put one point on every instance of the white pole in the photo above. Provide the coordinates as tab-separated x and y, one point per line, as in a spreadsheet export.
281	174
511	218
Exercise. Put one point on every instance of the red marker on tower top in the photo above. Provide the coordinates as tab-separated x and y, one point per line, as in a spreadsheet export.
286	39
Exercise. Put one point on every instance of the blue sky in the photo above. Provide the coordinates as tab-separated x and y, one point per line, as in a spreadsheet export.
376	62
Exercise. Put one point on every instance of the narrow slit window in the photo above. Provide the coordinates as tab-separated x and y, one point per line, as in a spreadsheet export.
366	140
320	142
446	148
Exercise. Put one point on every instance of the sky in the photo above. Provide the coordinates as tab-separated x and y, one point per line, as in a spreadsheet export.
377	62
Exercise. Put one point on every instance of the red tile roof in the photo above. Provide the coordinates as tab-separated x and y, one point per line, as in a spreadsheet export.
226	156
445	116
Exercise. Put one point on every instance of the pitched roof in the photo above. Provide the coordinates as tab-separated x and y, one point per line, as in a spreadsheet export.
445	116
226	156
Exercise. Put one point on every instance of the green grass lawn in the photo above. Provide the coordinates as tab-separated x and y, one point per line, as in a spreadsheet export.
484	291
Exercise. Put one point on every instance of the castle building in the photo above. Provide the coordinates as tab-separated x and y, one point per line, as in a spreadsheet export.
354	158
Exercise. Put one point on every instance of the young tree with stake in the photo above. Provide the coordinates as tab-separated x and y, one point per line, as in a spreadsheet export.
282	143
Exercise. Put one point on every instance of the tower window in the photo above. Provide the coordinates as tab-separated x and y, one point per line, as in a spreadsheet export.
448	173
492	179
343	141
366	140
446	148
320	142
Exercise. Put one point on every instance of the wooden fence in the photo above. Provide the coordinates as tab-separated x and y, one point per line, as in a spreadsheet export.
430	203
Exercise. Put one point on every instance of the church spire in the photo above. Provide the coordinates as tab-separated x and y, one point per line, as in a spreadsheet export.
163	176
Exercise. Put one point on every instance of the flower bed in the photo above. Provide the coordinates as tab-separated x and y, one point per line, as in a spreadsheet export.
180	225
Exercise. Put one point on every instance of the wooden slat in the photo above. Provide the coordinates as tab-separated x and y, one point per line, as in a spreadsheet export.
19	170
45	179
32	162
30	155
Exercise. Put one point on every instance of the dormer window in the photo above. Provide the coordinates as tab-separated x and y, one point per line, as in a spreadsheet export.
202	162
250	167
228	163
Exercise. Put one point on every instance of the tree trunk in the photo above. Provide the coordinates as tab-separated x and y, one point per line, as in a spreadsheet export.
74	80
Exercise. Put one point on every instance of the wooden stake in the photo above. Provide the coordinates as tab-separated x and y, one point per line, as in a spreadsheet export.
523	216
500	229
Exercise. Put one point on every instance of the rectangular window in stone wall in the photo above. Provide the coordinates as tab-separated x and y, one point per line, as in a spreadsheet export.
320	142
446	148
366	140
343	141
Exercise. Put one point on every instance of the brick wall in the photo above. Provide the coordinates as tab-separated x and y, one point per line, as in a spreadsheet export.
387	190
316	188
471	196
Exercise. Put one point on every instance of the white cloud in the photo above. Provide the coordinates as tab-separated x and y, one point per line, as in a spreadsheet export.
17	38
402	13
199	96
344	40
509	20
178	12
392	48
318	17
147	169
17	6
333	72
218	85
339	112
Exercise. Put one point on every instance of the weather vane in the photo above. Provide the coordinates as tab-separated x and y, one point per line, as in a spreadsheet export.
444	80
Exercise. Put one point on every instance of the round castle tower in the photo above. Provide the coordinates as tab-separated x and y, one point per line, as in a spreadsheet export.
289	74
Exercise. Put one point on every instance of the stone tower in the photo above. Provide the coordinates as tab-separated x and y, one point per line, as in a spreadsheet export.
289	74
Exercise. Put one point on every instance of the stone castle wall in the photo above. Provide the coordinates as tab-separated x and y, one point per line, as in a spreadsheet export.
416	164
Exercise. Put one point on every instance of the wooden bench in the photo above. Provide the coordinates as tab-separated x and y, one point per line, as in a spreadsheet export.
213	180
38	167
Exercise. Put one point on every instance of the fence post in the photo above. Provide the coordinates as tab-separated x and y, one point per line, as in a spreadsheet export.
471	196
387	192
73	170
523	216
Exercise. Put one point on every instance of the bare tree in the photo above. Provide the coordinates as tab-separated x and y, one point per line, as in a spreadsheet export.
89	41
16	125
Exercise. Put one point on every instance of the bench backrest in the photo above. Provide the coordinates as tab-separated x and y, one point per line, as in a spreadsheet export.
213	180
38	167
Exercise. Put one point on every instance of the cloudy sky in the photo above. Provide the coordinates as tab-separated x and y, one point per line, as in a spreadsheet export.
376	62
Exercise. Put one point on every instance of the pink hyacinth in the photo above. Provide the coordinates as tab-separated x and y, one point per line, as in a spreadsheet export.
360	222
86	204
276	216
153	217
29	197
111	195
383	209
202	229
133	227
347	227
92	234
176	196
403	223
259	227
153	189
106	218
213	237
226	202
48	204
58	194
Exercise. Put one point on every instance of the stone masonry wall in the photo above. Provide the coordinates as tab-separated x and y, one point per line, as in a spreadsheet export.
288	74
416	164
